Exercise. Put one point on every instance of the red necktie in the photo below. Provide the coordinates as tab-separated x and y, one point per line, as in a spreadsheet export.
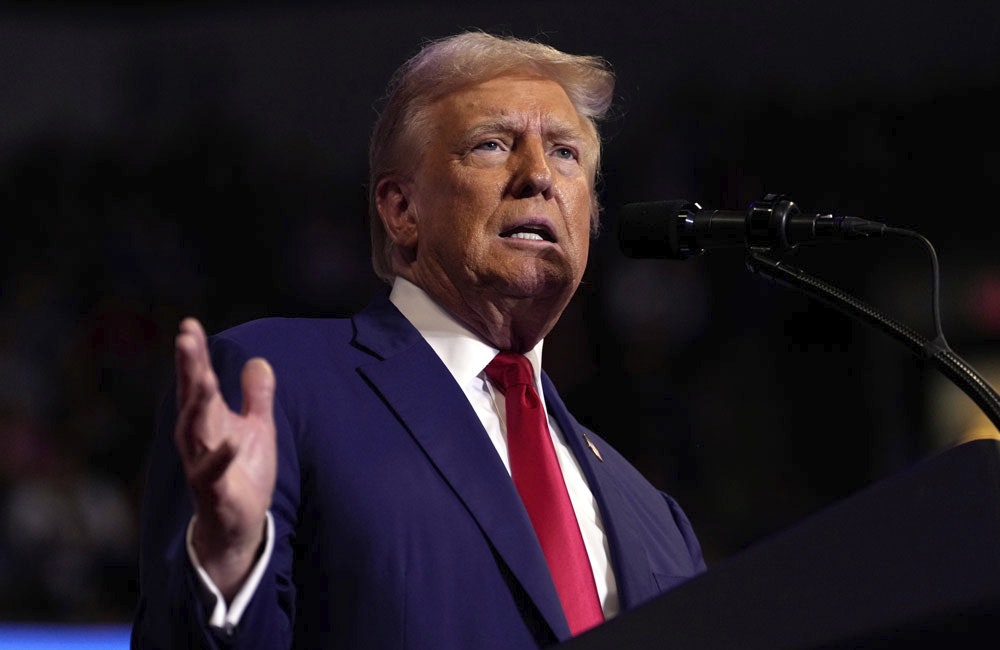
539	481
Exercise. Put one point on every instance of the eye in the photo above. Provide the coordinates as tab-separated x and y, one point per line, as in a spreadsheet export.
566	153
489	145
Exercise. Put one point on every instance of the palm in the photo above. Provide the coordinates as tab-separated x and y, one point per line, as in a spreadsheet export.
235	474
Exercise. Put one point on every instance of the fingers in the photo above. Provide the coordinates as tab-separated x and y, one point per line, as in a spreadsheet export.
190	357
204	423
197	389
257	381
206	469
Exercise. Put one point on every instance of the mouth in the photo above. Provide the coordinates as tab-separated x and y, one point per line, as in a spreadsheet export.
530	232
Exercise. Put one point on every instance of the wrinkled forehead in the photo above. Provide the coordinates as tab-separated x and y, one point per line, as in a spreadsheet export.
513	102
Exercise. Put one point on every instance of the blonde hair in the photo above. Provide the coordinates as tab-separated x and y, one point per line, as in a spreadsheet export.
445	65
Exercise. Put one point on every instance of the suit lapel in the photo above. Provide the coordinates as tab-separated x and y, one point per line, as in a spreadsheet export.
628	554
411	379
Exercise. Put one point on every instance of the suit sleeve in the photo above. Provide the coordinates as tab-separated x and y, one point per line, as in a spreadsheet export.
173	607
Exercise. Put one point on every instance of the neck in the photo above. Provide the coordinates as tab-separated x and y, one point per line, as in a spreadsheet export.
512	323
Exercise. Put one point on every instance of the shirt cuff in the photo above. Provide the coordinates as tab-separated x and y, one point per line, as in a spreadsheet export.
223	617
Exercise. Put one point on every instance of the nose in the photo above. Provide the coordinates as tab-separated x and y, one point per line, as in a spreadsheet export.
532	175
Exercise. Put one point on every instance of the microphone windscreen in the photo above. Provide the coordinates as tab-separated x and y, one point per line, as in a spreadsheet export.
649	230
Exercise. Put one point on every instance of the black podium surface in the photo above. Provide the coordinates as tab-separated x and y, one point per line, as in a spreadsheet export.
912	561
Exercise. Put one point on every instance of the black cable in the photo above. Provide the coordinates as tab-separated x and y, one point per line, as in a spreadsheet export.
939	339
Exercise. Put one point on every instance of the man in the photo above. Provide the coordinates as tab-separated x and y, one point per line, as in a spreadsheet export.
359	494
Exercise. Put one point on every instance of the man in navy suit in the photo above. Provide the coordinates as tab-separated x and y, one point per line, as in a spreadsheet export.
346	483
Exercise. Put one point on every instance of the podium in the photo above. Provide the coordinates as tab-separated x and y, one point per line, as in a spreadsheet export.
911	561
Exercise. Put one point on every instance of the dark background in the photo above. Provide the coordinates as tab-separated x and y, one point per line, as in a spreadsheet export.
209	159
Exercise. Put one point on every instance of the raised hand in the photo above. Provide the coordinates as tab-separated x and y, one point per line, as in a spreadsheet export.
229	458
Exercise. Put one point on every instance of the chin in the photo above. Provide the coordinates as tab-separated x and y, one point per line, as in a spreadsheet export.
541	285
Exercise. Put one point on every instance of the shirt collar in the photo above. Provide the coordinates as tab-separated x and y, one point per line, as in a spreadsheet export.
462	352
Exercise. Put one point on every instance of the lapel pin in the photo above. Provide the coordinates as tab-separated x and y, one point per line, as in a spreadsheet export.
593	448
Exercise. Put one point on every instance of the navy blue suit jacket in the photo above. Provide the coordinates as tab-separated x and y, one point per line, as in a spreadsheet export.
397	525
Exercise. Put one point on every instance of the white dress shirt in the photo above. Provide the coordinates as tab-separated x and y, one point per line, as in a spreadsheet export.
466	357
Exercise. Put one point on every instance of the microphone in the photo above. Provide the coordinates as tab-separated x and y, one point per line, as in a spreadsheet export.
678	229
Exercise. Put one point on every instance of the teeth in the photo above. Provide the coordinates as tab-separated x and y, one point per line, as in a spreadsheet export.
527	235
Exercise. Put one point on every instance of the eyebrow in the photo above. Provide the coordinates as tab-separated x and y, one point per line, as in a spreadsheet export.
552	129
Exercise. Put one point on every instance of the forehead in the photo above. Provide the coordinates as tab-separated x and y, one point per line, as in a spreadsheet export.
514	100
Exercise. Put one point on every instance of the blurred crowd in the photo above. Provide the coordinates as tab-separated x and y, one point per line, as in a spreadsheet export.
108	243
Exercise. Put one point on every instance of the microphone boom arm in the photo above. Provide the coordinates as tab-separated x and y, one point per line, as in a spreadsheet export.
937	351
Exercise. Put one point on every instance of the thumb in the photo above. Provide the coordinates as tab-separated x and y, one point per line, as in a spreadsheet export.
257	380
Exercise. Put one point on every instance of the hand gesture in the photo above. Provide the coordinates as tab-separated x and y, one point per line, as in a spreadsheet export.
230	459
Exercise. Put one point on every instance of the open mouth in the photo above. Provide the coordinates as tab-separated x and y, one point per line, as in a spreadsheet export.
529	233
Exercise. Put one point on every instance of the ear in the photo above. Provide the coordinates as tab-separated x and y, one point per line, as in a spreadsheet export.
394	207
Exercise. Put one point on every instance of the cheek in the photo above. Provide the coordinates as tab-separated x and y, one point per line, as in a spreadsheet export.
474	203
581	205
582	245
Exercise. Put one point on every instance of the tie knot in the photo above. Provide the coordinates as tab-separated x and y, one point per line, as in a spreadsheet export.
509	369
